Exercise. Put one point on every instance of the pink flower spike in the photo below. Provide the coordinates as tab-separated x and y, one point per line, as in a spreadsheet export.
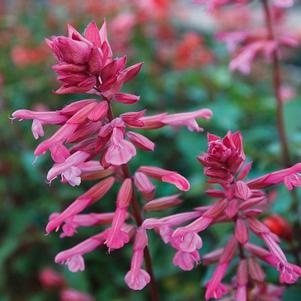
163	203
187	119
116	237
141	141
137	278
73	295
166	176
144	185
186	261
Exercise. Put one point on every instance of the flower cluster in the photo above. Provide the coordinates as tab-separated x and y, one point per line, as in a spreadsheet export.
93	144
239	201
251	43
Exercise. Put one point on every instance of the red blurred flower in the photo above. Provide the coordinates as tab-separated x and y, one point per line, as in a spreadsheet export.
280	226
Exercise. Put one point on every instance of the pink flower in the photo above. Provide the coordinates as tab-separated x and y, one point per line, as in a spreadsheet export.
137	278
186	260
116	237
73	257
92	195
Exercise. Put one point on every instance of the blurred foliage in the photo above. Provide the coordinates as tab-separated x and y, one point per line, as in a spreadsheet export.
238	103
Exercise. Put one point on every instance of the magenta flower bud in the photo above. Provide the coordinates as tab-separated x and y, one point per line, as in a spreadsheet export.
242	190
185	260
166	176
133	119
126	98
144	185
241	231
244	171
233	208
141	141
255	270
163	203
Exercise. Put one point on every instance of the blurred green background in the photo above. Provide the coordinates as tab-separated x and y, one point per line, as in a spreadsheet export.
185	68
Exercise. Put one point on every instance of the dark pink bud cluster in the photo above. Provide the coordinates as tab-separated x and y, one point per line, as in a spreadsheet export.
241	202
91	144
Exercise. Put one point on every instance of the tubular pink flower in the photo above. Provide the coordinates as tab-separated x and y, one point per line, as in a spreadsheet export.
186	238
166	176
83	220
185	260
116	237
277	177
73	257
164	225
137	278
92	195
69	169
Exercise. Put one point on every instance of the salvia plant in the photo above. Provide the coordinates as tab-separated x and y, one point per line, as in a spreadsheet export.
92	143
